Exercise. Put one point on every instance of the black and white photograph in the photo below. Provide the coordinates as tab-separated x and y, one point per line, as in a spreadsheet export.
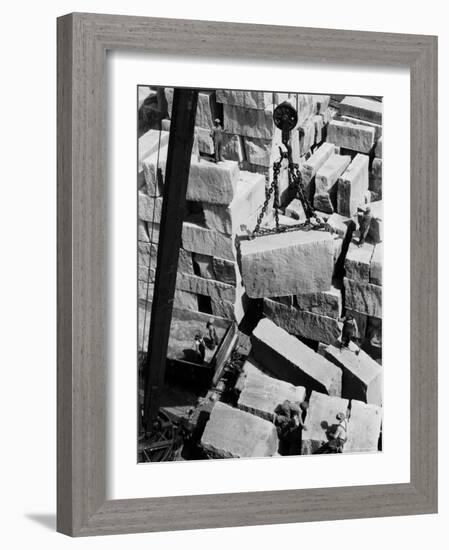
259	261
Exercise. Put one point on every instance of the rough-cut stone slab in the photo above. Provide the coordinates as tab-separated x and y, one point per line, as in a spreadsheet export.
338	224
356	137
243	98
377	127
352	186
363	428
258	151
363	297
316	160
378	149
289	359
206	109
306	131
302	323
203	264
376	230
142	231
287	263
295	210
213	183
248	122
325	198
261	394
363	108
233	433
362	376
182	300
196	238
375	177
233	147
150	209
149	143
321	417
327	303
375	274
225	271
206	287
205	142
358	261
243	209
146	254
235	311
153	231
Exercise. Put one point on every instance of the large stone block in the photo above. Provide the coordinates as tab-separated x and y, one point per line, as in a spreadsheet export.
377	127
363	297
306	132
142	231
363	428
316	160
362	376
233	433
196	238
243	209
356	137
362	108
375	274
295	210
352	186
358	262
203	265
248	122
325	198
149	144
150	209
234	311
376	230
378	149
261	394
287	263
233	147
226	271
328	303
320	420
375	179
205	142
258	151
206	109
338	224
212	183
245	98
287	358
312	326
206	287
153	231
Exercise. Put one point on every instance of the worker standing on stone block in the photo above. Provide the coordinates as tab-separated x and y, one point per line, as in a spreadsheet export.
364	225
199	347
212	334
217	137
337	437
350	331
289	422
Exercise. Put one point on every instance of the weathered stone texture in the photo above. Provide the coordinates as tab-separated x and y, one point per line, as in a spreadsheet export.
149	143
375	274
248	122
205	142
356	137
338	224
362	376
352	186
362	108
375	179
289	359
316	160
258	151
261	394
321	417
212	183
363	428
287	263
150	209
358	261
363	297
243	98
327	303
205	287
204	265
376	231
196	238
377	127
302	323
295	210
325	198
233	433
225	271
233	147
142	231
378	149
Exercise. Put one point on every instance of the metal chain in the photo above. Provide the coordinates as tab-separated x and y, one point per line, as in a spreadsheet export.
273	187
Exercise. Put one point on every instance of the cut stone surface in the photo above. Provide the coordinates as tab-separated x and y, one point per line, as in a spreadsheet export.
243	209
375	274
234	311
233	433
206	109
149	144
248	122
325	198
377	127
287	263
206	287
289	359
142	231
378	149
225	271
196	238
362	376
319	124
363	108
327	303
205	142
358	261
150	209
233	147
204	265
363	428
295	210
338	224
261	394
375	179
316	160
376	230
258	151
312	326
213	183
352	186
243	98
153	231
306	132
363	297
146	254
182	300
321	417
356	137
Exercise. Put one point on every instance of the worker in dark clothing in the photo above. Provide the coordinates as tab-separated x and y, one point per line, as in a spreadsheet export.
212	334
364	225
217	137
337	436
288	419
350	331
200	347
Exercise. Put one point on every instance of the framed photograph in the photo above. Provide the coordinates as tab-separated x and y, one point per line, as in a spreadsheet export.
247	274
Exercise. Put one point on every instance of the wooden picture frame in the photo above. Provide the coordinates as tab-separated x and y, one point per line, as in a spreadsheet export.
83	40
